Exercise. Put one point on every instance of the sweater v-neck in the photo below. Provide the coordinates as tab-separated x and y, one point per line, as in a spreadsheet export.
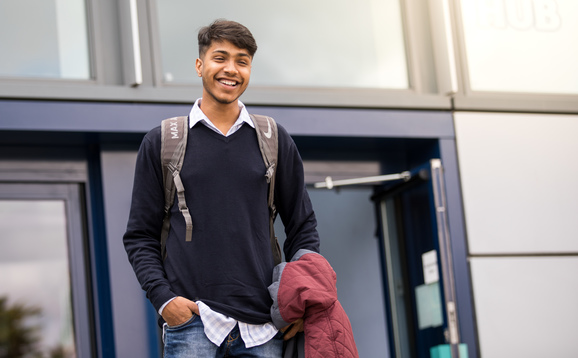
220	135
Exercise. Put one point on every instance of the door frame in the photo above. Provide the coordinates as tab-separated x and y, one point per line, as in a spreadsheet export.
395	266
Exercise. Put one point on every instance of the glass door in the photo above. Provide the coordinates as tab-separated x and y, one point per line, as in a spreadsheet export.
44	309
420	297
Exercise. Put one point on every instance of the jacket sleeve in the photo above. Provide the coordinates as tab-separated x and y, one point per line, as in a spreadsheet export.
292	200
142	237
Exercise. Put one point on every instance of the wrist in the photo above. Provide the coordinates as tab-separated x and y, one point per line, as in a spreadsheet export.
160	311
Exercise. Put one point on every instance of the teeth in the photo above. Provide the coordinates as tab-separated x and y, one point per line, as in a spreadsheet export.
229	83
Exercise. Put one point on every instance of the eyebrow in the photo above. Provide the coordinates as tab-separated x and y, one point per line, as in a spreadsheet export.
241	54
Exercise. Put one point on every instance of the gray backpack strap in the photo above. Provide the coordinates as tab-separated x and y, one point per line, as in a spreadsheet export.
174	133
267	136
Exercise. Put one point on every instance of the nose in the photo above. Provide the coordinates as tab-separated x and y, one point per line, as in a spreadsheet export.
230	67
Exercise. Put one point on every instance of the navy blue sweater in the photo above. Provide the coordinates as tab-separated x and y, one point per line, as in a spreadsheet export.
228	264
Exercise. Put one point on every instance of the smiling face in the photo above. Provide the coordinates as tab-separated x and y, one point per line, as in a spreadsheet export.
225	70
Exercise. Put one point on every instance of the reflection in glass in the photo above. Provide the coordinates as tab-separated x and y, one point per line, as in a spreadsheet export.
44	38
322	43
35	299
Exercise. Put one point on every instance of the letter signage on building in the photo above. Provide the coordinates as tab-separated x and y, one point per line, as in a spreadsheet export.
521	45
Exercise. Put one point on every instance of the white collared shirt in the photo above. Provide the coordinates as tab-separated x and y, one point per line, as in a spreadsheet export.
217	325
196	115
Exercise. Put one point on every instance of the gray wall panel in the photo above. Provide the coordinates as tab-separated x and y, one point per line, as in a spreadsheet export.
346	226
129	305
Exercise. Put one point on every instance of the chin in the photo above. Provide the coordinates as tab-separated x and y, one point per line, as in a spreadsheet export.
227	100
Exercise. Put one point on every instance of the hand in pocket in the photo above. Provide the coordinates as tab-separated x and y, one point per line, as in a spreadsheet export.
179	310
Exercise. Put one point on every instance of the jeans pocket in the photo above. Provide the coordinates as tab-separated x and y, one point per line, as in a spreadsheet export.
184	324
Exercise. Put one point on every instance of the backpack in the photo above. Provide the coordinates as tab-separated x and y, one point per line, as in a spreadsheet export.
174	133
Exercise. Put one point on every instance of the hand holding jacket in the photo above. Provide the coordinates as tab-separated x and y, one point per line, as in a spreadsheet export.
305	288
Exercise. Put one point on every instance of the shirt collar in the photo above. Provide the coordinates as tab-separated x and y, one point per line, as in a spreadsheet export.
196	115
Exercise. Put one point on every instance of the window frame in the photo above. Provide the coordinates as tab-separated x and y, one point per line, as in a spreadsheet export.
31	180
112	59
429	70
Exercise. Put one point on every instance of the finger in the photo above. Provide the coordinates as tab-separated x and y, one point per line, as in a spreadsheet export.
193	307
291	332
299	324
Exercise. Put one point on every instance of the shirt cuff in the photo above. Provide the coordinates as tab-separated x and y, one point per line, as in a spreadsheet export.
164	305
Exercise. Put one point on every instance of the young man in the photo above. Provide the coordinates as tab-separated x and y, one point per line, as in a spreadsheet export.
212	291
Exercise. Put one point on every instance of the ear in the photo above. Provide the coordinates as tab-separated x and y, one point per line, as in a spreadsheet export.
199	66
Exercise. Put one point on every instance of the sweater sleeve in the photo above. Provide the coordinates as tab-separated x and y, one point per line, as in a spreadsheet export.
142	236
292	200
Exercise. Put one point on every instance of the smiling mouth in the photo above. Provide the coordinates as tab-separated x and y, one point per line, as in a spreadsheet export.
229	83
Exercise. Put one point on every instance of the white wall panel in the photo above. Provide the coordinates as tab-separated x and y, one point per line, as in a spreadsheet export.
526	306
518	175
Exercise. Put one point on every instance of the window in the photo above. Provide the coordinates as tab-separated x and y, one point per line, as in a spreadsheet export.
523	46
44	39
43	292
321	44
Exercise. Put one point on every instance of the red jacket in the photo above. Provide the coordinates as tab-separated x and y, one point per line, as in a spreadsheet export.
306	288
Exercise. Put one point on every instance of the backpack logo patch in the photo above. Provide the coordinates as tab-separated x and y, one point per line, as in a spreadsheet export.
174	129
269	132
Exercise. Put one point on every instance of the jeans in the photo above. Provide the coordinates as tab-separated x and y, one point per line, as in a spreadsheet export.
189	340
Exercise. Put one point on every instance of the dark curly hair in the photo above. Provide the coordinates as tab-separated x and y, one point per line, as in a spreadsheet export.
225	30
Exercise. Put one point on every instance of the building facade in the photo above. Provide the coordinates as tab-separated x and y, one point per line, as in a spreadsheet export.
447	129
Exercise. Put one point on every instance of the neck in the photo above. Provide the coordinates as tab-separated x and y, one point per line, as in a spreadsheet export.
222	115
